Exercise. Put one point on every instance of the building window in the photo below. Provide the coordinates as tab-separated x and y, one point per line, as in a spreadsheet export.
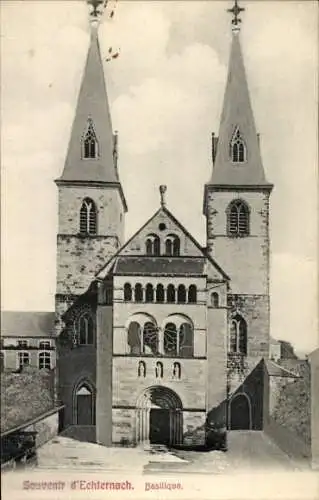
159	370
159	293
127	292
172	245
89	143
170	340
152	245
23	344
214	299
181	294
134	337
2	362
23	359
238	335
192	294
88	217
186	340
141	370
238	218
149	293
44	344
177	370
86	329
138	292
150	339
171	294
237	148
45	360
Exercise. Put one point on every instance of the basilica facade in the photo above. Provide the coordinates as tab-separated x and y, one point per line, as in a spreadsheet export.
161	336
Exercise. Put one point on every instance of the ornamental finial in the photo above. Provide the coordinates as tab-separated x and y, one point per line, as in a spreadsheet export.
96	13
162	190
236	10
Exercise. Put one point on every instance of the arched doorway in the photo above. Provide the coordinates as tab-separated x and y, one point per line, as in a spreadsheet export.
84	405
159	417
240	412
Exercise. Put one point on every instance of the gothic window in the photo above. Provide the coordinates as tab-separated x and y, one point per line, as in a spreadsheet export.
23	359
170	293
238	335
192	294
172	245
159	293
86	327
89	143
214	299
159	369
181	294
88	217
45	360
170	340
149	293
150	339
186	340
237	148
176	370
138	293
134	337
44	344
127	292
141	370
238	218
152	245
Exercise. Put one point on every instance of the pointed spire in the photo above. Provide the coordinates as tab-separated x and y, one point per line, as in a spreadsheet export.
90	156
237	158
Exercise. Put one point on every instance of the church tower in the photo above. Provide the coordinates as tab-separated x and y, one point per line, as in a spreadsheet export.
91	200
236	206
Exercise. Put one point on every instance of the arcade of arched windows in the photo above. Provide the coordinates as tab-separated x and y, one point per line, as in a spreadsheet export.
169	246
159	293
174	339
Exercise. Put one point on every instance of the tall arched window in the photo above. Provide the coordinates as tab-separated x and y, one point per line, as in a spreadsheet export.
238	218
170	294
238	335
177	370
214	299
192	294
237	148
159	369
186	340
170	340
134	337
159	293
152	245
88	217
141	370
89	143
127	292
149	293
181	294
86	329
172	245
138	292
150	339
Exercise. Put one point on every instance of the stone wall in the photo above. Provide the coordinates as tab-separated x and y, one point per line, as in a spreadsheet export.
46	428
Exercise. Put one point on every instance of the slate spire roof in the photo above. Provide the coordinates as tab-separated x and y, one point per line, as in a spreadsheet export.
92	113
237	118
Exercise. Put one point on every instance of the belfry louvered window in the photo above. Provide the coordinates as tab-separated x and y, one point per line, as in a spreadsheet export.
238	219
88	217
90	143
237	148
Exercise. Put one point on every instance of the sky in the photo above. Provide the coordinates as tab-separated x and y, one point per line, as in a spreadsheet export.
165	91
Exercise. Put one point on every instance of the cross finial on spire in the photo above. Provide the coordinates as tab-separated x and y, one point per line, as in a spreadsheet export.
236	10
96	13
162	190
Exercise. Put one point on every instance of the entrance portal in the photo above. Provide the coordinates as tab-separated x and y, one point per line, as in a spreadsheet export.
240	417
159	417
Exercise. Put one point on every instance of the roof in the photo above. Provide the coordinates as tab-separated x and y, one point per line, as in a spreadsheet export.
159	265
237	112
27	324
274	370
92	105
